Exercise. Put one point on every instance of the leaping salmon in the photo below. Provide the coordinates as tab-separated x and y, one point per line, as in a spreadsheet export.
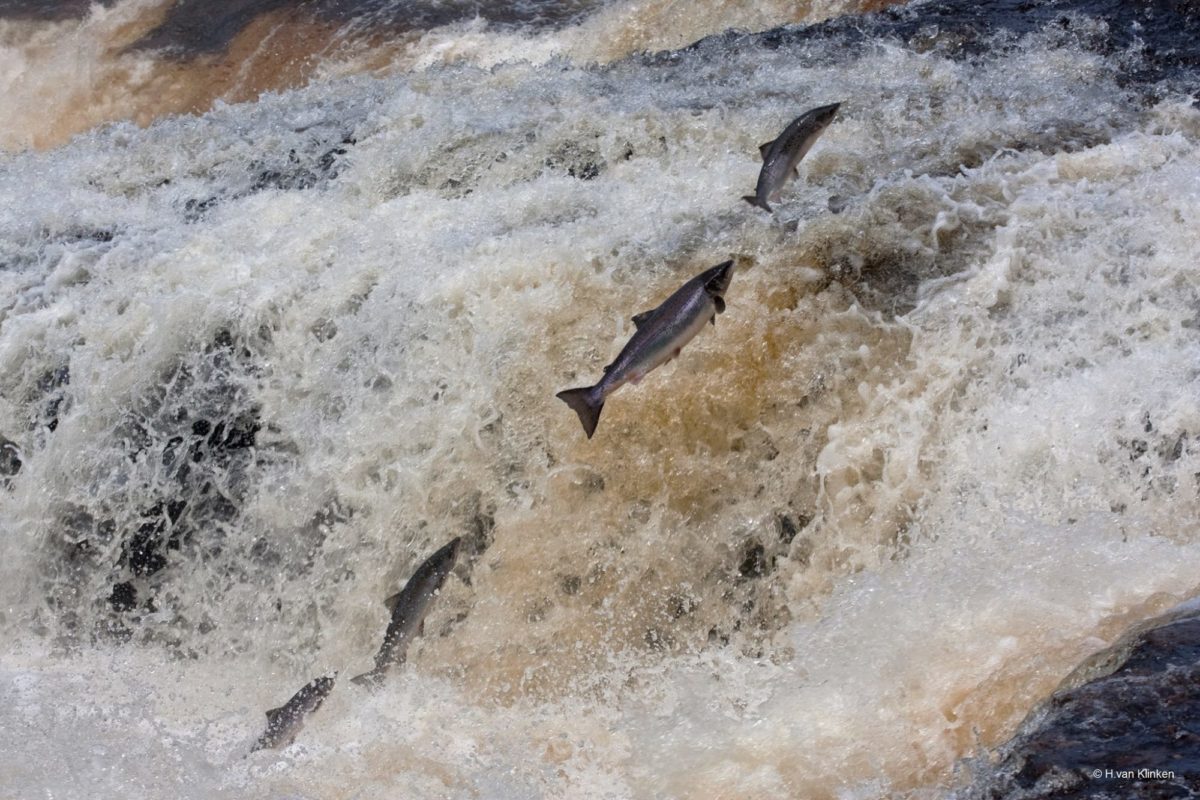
409	607
285	722
661	334
782	155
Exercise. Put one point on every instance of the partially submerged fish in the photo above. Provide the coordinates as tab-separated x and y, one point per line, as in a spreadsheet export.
409	607
661	334
781	156
285	722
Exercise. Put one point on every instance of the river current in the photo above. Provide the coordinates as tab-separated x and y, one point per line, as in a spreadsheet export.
287	290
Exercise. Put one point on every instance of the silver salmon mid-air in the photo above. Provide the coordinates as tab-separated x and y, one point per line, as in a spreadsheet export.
285	722
782	156
409	607
661	334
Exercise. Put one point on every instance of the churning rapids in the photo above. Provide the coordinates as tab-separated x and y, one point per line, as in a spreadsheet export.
258	361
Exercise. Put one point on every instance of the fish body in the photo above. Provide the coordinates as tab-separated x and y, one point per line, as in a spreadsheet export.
661	334
782	155
409	607
285	722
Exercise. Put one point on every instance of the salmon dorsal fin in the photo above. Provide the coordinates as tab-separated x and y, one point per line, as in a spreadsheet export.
765	148
274	714
638	321
392	602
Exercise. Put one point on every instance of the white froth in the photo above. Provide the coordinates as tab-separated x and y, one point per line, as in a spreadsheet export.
972	394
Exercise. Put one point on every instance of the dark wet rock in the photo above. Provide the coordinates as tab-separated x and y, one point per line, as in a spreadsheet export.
10	460
195	208
789	527
294	173
1166	33
238	433
753	563
1174	450
79	235
198	27
48	11
1124	726
200	422
143	549
717	637
585	171
123	597
315	160
194	28
53	400
578	161
1155	458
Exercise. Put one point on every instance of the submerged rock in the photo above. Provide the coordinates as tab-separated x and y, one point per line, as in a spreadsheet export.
1163	32
1124	725
10	460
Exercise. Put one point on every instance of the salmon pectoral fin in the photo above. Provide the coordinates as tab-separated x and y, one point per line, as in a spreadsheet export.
367	679
391	602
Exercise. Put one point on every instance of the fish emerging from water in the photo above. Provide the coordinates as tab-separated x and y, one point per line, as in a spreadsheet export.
661	334
285	722
409	607
781	157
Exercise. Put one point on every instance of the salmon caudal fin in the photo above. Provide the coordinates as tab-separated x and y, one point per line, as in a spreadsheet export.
587	403
754	201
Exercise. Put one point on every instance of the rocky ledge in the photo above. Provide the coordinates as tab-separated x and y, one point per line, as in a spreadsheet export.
1125	725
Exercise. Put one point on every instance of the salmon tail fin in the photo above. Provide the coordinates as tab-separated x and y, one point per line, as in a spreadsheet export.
754	201
587	403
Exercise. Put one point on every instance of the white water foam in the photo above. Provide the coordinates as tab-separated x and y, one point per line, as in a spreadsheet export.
971	396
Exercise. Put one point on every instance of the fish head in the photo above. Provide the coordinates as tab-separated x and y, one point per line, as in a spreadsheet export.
433	573
324	685
716	280
450	552
823	115
317	691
